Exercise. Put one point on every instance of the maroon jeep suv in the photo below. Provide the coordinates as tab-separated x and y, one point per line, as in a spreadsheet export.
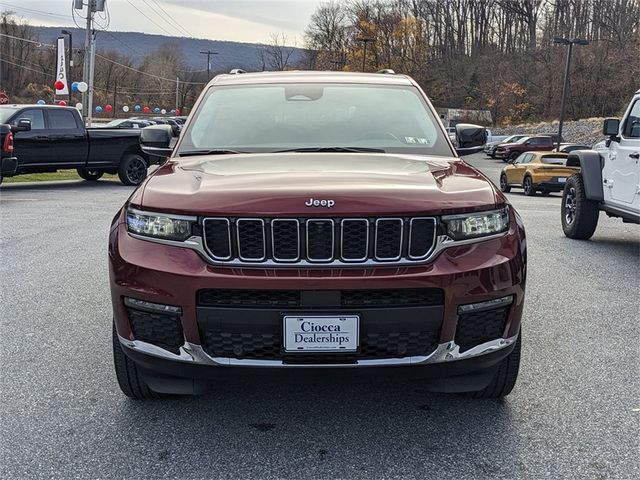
510	151
307	222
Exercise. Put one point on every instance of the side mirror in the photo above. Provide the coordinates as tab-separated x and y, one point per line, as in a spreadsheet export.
470	138
611	127
23	125
156	140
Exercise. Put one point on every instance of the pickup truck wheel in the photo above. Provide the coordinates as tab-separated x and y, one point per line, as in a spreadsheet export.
90	175
133	169
527	186
129	379
579	214
504	185
506	376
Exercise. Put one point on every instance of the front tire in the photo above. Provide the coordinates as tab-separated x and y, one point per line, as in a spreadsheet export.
504	185
506	376
579	215
129	379
89	175
527	186
132	170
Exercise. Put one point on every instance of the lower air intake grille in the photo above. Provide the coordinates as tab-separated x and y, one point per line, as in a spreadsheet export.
268	347
164	331
287	299
479	327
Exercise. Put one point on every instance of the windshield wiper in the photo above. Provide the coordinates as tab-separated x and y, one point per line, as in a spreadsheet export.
211	151
332	149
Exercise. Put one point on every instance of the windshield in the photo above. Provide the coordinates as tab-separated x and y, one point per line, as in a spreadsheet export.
114	123
522	140
6	112
268	118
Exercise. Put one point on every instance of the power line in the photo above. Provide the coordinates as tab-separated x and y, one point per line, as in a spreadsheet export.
33	10
41	44
176	21
149	18
168	22
145	73
27	68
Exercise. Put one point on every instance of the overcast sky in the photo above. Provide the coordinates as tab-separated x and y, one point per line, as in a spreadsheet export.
238	20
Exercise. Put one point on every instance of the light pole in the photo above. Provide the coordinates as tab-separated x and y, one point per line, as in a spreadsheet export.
364	40
570	42
68	33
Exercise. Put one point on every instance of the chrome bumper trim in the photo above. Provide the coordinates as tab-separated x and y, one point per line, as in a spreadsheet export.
195	354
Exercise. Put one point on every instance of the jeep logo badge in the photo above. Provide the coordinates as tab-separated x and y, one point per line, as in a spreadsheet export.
319	203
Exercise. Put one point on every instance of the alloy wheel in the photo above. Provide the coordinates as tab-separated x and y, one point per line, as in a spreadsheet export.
570	206
136	170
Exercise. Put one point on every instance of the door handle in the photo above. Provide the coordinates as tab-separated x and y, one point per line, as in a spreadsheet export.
635	155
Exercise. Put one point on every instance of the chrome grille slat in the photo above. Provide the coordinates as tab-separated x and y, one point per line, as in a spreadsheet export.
318	241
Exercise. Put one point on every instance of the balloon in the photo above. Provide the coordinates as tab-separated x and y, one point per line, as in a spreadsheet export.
41	102
108	108
83	87
137	108
79	106
146	109
156	110
62	103
98	109
125	109
59	84
74	87
177	111
163	111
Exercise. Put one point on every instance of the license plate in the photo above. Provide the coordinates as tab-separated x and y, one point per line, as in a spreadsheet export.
562	179
339	333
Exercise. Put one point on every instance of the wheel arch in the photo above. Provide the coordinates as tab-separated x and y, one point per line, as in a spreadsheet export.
590	163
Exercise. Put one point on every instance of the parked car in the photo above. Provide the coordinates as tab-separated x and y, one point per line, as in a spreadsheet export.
608	180
491	137
490	147
451	131
536	172
127	123
8	161
570	147
511	151
49	138
348	240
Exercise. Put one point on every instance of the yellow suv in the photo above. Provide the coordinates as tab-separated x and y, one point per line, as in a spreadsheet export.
545	172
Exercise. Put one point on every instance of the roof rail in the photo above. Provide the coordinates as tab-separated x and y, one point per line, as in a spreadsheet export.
387	71
236	71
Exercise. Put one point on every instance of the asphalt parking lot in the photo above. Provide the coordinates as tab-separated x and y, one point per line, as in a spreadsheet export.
575	412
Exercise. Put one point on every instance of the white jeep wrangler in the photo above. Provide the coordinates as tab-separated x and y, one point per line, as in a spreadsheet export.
609	179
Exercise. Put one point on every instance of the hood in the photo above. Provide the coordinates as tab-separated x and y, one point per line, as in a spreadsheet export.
284	184
509	145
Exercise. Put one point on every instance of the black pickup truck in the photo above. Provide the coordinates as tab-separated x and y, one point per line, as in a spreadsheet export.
47	138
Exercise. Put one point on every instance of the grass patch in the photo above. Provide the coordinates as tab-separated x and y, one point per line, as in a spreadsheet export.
51	176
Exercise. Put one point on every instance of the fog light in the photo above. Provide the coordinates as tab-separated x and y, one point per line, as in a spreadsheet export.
152	307
488	305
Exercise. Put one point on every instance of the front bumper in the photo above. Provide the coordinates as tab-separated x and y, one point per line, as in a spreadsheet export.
502	154
170	275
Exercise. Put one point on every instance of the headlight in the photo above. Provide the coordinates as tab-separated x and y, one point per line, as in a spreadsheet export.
166	226
473	225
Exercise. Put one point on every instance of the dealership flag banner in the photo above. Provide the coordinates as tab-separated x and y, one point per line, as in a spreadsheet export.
61	74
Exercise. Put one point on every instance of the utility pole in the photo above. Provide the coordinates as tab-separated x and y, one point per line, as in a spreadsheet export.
208	53
115	95
565	86
364	40
177	92
88	68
